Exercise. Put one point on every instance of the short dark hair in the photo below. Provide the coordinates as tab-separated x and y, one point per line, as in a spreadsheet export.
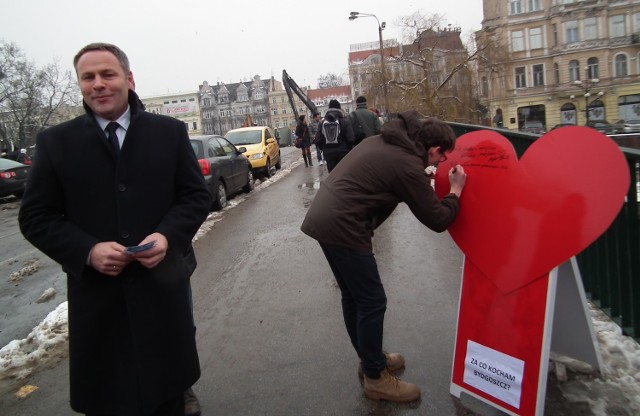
334	104
108	47
302	117
436	133
361	100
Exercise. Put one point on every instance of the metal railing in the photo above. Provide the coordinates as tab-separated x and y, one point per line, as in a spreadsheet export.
610	267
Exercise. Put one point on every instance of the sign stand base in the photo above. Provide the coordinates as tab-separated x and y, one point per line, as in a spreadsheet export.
567	330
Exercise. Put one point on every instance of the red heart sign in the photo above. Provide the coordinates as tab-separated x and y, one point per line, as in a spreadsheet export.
520	219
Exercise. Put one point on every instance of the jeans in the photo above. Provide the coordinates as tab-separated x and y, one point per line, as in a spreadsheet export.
364	303
319	153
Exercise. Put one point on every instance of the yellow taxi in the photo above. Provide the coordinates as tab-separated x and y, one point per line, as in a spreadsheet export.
260	147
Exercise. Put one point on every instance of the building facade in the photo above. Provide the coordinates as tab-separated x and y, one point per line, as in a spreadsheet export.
560	61
322	96
229	106
182	106
429	74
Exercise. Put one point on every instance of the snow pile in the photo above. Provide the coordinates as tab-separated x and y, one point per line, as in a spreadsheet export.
47	341
617	390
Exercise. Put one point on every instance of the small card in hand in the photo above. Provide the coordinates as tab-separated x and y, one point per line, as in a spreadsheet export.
137	249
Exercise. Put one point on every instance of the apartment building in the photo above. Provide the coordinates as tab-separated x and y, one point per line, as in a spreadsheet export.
228	106
560	61
321	97
429	74
280	111
182	106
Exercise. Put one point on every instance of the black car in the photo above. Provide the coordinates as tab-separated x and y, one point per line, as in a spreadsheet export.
13	177
225	169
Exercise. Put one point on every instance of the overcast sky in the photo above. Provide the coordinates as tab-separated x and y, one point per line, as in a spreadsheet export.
175	45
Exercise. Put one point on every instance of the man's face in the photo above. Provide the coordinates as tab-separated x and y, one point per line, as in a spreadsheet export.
104	84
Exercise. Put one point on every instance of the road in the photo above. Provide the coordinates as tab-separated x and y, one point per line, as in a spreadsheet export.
270	331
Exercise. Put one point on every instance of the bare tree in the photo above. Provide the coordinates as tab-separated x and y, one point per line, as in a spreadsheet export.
434	71
330	80
30	97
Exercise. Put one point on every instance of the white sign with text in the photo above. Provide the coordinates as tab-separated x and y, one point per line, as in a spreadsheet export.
494	373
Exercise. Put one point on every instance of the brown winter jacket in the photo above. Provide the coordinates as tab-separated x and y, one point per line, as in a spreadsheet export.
367	185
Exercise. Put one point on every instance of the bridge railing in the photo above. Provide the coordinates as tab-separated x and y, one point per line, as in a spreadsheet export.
610	267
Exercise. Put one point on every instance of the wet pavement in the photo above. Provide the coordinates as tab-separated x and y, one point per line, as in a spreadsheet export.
270	331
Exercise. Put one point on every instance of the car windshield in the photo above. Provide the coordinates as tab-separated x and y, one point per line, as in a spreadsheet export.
243	137
633	121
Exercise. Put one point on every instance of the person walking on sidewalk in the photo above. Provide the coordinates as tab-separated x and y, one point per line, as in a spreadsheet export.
364	121
335	135
302	131
114	178
313	129
358	196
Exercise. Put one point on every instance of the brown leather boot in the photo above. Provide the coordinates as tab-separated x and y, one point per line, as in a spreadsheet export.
191	404
389	387
395	361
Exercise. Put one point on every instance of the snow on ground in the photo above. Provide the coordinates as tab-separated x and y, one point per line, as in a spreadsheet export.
615	391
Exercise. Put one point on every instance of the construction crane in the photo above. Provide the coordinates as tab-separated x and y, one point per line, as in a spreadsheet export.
291	88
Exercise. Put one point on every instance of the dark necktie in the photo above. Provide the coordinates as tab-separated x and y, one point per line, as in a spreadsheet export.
113	137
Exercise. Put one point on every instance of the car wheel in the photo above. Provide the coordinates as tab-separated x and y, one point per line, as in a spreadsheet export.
268	173
220	199
250	183
279	164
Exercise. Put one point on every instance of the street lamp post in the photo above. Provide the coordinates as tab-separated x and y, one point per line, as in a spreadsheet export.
587	85
354	16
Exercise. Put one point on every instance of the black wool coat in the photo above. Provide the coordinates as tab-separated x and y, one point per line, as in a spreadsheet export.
131	337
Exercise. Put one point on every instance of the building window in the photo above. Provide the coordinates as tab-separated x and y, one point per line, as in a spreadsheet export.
617	26
620	63
195	125
636	19
517	41
515	7
590	28
521	79
191	99
206	102
535	38
485	87
592	68
568	114
574	71
554	28
274	111
273	100
534	5
571	31
538	75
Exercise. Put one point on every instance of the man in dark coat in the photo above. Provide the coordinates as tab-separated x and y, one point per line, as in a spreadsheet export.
364	121
358	196
334	151
90	194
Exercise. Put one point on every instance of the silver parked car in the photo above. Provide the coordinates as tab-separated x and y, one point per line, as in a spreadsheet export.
226	171
627	126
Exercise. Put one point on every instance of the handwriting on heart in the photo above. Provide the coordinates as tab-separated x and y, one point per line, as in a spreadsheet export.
519	219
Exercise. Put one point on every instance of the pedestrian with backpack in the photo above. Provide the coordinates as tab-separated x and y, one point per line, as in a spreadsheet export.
302	132
364	121
335	135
